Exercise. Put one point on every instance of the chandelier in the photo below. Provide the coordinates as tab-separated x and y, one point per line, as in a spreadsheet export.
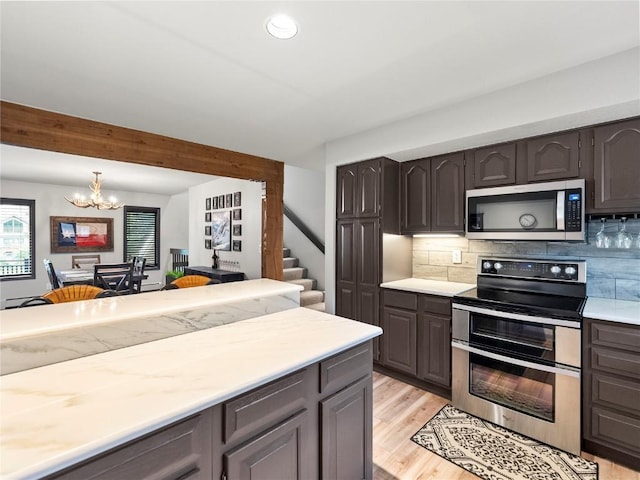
95	200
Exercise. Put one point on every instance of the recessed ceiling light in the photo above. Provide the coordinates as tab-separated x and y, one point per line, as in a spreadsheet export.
282	26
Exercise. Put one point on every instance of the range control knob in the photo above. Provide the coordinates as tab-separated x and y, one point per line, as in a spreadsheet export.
497	266
555	270
487	265
571	271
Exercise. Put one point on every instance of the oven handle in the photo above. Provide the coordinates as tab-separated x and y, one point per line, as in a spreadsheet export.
517	316
568	371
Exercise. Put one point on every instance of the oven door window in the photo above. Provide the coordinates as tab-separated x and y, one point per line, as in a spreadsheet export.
526	340
523	389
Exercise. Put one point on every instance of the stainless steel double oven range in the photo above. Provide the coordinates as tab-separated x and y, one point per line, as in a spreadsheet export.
516	347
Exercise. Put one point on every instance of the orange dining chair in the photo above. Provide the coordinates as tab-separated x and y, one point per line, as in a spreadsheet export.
193	281
73	293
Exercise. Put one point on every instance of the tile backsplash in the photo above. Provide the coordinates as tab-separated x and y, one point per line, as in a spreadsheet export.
611	272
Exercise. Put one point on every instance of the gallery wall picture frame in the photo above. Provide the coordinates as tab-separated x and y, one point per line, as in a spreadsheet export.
207	204
237	245
207	217
207	244
237	214
221	230
214	202
207	230
81	234
237	230
237	199
220	201
228	200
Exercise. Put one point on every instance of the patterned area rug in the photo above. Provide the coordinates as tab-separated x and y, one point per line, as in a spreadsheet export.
492	452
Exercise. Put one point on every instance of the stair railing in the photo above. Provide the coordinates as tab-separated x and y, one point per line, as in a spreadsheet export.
303	228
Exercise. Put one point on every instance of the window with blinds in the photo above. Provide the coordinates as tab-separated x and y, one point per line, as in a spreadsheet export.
142	234
17	236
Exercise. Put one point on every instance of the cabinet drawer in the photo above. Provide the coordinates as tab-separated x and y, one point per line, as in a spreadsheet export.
615	429
615	392
341	370
437	305
182	450
615	361
394	298
252	412
609	334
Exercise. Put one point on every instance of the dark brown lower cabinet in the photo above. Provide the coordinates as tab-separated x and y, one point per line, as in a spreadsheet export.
315	423
346	432
611	391
416	339
278	453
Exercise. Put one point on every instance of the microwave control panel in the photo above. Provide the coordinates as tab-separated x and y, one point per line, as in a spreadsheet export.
573	218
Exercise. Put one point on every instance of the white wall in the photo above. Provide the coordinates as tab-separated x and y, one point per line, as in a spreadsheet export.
304	194
250	258
50	202
599	91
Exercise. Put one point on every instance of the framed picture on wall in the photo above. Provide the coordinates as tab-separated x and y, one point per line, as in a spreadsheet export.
237	197
81	234
207	217
228	200
207	204
214	203
237	230
221	230
207	244
237	214
220	201
207	230
237	245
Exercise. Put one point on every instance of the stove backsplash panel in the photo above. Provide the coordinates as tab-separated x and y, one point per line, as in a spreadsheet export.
611	273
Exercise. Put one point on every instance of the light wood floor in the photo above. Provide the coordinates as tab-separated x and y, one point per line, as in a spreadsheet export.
399	411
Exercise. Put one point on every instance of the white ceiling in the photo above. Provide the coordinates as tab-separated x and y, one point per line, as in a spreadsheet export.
208	72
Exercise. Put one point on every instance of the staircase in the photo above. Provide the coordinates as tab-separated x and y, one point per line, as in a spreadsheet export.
293	273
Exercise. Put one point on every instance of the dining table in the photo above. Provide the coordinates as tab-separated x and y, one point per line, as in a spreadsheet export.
79	276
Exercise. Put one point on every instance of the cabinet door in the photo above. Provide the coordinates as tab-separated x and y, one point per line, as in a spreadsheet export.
346	433
346	267
399	339
617	166
494	166
278	453
447	193
368	190
553	157
434	349
368	276
346	190
416	196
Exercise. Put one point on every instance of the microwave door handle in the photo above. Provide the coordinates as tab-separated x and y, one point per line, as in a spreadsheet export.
560	206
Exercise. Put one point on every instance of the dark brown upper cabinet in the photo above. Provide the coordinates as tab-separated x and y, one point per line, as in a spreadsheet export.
616	159
553	157
347	188
492	166
432	192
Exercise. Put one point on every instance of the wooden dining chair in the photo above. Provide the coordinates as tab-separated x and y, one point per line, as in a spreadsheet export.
139	264
85	262
73	293
193	281
51	273
114	276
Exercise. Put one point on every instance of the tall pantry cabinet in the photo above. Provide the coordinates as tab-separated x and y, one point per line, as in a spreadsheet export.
366	207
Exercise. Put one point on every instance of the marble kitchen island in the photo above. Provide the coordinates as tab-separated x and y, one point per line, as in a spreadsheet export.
290	385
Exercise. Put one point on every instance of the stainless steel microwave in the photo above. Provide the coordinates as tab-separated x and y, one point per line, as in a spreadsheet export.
540	211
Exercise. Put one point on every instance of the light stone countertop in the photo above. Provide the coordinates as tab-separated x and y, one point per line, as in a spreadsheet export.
433	287
623	311
22	322
54	416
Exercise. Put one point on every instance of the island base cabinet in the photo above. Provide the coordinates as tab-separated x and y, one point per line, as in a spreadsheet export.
280	453
346	433
180	451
